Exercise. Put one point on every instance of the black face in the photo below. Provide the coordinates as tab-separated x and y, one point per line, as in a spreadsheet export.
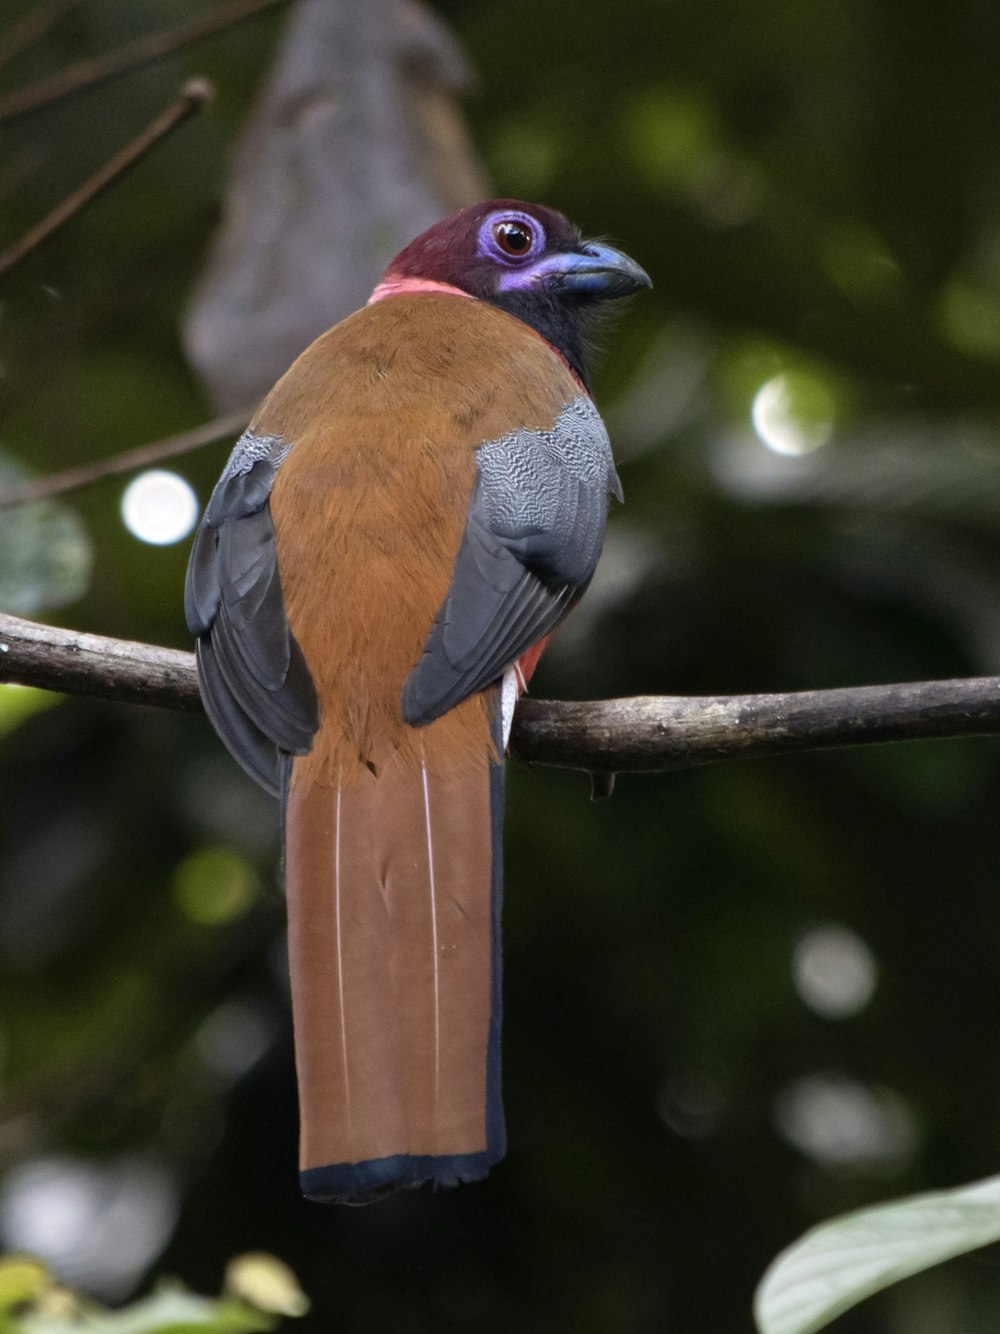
530	261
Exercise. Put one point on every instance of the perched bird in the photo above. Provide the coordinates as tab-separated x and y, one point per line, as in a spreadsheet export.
415	507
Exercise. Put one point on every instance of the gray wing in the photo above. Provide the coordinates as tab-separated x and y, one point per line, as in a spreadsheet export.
255	684
532	538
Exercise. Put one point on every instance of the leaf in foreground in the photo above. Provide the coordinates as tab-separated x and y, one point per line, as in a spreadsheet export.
838	1264
266	1283
260	1289
169	1310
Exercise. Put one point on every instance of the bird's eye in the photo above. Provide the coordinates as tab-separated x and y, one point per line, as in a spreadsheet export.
513	238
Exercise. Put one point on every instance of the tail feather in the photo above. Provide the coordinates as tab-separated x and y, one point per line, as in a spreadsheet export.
394	889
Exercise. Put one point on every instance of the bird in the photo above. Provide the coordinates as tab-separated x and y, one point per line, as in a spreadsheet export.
414	508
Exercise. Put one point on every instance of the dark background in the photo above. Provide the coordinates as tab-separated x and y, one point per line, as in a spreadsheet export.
815	190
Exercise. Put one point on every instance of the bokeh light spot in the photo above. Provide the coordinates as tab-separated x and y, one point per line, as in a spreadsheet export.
98	1224
673	136
839	1122
793	413
692	1103
234	1037
834	971
214	886
159	507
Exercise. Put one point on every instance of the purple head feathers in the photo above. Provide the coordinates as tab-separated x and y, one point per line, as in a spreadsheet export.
472	248
527	259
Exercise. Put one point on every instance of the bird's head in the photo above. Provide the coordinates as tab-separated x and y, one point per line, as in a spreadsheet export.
527	259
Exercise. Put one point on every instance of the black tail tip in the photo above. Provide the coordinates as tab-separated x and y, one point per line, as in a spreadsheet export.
378	1178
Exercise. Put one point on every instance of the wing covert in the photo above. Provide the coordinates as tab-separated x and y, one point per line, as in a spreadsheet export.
533	535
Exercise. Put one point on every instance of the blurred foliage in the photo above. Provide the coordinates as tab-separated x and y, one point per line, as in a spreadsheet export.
816	192
259	1290
45	554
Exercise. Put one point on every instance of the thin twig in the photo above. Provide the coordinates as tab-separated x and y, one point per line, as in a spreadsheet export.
195	94
43	488
606	736
33	26
123	59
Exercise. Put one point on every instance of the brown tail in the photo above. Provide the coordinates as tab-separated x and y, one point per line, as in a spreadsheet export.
393	915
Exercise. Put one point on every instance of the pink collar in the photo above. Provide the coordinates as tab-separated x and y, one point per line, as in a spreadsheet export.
411	286
408	286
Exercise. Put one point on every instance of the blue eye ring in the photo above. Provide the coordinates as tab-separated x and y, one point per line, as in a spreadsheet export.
511	238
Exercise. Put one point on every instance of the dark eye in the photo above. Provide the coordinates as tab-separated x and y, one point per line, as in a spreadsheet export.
513	238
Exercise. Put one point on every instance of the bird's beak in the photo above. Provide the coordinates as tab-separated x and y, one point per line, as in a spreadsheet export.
596	270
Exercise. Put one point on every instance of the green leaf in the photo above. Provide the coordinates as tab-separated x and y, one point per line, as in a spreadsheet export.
22	1279
838	1264
169	1310
267	1283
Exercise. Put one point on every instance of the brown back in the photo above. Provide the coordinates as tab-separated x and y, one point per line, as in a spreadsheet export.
385	413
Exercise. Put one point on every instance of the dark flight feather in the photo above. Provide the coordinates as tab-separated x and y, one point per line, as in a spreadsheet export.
255	683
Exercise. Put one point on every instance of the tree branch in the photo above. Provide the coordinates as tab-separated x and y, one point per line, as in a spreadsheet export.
34	25
79	664
647	734
654	733
123	59
73	479
195	94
